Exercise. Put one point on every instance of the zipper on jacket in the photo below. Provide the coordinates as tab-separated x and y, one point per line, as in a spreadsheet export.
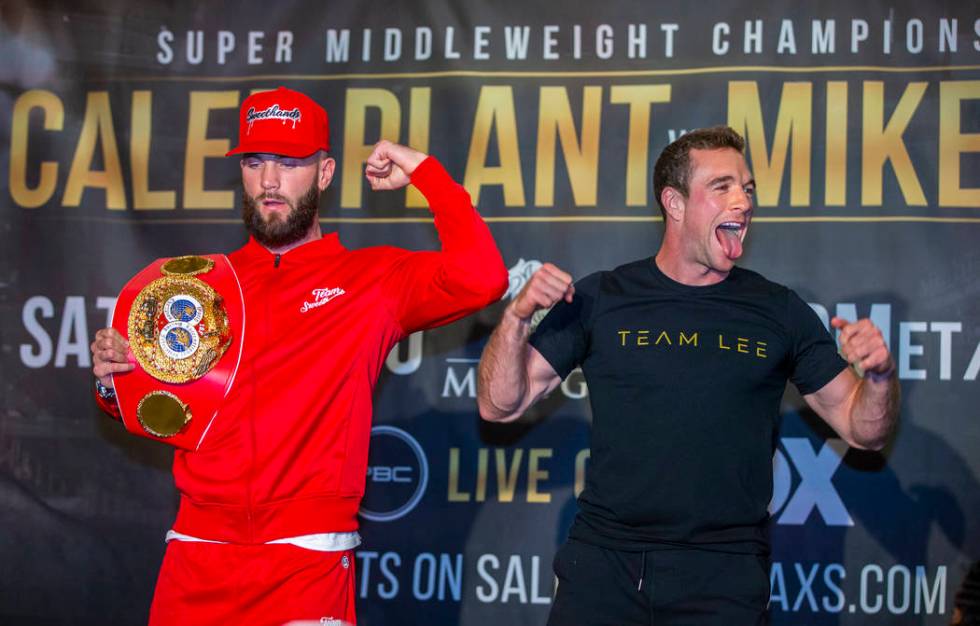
278	258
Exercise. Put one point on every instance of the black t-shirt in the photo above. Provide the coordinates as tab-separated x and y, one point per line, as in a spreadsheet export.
685	384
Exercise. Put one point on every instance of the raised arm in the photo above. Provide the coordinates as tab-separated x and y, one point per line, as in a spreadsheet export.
432	288
863	410
512	374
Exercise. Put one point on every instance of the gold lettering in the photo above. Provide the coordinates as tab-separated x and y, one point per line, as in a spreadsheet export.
200	148
793	123
663	335
685	340
96	128
507	478
742	345
953	143
54	119
534	475
356	149
639	98
642	338
582	159
623	334
419	115
882	142
139	156
835	168
482	465
455	494
760	349
721	343
495	110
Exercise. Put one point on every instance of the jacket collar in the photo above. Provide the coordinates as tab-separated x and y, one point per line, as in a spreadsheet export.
328	245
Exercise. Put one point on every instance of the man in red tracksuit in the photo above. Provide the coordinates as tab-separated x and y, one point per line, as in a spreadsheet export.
268	512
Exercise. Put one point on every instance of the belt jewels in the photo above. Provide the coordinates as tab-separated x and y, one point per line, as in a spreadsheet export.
183	314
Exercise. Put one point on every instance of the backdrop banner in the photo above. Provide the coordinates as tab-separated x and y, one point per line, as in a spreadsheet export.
862	122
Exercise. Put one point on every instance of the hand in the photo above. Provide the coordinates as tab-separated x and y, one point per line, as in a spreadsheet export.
390	166
547	286
110	355
862	344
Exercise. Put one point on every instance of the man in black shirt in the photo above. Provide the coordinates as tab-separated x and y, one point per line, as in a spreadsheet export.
686	357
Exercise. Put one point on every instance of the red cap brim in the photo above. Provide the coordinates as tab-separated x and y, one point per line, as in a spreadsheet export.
277	147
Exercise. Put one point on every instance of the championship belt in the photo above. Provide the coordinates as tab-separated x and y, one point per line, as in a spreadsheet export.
184	318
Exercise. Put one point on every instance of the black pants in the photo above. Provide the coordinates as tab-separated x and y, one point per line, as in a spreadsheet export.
675	587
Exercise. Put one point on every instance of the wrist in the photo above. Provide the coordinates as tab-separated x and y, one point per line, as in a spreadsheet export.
514	325
413	161
422	172
882	376
512	315
106	393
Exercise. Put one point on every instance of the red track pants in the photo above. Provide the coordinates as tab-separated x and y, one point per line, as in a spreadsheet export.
255	585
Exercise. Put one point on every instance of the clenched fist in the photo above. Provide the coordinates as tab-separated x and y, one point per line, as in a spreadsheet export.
862	345
547	286
390	166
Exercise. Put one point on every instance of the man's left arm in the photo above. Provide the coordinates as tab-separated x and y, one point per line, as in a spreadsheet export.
468	273
862	409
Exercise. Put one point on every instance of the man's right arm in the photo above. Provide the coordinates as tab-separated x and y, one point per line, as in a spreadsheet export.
512	374
428	289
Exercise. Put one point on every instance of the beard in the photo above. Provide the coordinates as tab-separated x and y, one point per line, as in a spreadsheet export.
275	231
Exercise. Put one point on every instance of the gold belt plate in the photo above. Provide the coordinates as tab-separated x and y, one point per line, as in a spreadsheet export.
178	328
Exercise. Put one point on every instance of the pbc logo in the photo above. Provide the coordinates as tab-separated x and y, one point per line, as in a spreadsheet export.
815	490
397	475
519	275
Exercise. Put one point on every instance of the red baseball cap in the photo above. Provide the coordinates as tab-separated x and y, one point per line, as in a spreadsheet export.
283	122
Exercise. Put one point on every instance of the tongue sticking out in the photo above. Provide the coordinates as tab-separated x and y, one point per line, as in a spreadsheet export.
730	240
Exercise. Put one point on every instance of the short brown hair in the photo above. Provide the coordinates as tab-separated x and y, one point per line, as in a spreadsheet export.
673	166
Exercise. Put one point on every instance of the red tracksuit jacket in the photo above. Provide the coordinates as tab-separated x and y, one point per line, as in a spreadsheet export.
287	453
